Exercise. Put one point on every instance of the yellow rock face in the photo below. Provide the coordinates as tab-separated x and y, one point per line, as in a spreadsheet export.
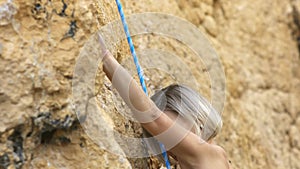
40	41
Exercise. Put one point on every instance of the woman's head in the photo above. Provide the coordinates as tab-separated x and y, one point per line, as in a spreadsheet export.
189	105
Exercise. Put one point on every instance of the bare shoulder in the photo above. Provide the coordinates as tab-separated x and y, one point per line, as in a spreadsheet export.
217	149
209	156
215	155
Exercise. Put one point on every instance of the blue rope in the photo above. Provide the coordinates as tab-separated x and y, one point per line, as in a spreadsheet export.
139	70
129	40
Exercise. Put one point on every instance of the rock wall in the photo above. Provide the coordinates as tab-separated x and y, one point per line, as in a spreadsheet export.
40	40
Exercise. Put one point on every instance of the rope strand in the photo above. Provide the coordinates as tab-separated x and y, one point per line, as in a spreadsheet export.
139	70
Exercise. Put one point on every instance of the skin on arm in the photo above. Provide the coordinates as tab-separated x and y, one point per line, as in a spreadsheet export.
187	146
146	112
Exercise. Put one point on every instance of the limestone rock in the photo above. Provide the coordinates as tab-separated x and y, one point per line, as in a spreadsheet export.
40	41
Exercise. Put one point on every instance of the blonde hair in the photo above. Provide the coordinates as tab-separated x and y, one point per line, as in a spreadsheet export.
188	104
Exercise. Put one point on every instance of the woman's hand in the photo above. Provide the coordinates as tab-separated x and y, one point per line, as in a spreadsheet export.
104	51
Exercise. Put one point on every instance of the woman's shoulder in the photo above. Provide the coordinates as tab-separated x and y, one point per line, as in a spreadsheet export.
215	154
211	149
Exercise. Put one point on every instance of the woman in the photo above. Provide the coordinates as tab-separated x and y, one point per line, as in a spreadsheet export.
177	117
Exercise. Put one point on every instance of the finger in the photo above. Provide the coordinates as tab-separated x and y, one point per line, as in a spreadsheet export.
102	43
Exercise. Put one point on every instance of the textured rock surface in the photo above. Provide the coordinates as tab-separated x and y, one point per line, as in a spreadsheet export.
257	41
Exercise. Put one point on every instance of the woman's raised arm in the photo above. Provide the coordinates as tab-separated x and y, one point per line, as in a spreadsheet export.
145	111
141	105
